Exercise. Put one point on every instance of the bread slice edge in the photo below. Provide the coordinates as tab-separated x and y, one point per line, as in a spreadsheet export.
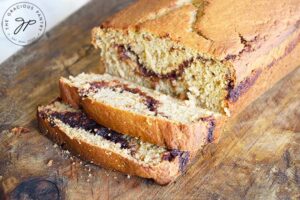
188	137
162	173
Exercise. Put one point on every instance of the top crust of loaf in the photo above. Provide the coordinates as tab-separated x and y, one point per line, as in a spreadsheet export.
249	34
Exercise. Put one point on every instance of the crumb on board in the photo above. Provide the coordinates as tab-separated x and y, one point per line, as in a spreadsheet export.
50	163
19	130
55	145
128	176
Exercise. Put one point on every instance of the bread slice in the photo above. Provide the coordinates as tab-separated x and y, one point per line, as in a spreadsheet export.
72	129
141	112
220	54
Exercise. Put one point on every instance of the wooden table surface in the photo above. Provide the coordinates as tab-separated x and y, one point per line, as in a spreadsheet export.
258	156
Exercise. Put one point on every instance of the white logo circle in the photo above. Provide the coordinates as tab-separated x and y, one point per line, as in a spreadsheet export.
23	23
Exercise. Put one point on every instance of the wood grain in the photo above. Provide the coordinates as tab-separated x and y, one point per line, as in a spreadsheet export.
258	156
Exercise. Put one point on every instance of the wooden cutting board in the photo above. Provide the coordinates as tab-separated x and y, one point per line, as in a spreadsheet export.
258	156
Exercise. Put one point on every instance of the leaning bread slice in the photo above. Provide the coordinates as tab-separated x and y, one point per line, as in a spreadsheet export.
84	137
138	111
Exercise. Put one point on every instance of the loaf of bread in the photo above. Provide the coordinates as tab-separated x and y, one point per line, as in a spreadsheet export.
137	111
219	54
72	129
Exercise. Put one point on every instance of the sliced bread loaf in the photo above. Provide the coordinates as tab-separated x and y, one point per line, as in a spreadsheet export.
72	129
138	111
220	54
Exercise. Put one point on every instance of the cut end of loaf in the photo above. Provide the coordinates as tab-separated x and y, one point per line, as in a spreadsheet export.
165	65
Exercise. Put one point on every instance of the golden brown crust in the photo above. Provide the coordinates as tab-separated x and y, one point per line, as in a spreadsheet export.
248	35
216	27
69	94
163	173
188	137
148	9
261	80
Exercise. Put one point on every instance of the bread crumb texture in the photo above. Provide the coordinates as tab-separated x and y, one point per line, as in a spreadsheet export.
161	64
124	95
